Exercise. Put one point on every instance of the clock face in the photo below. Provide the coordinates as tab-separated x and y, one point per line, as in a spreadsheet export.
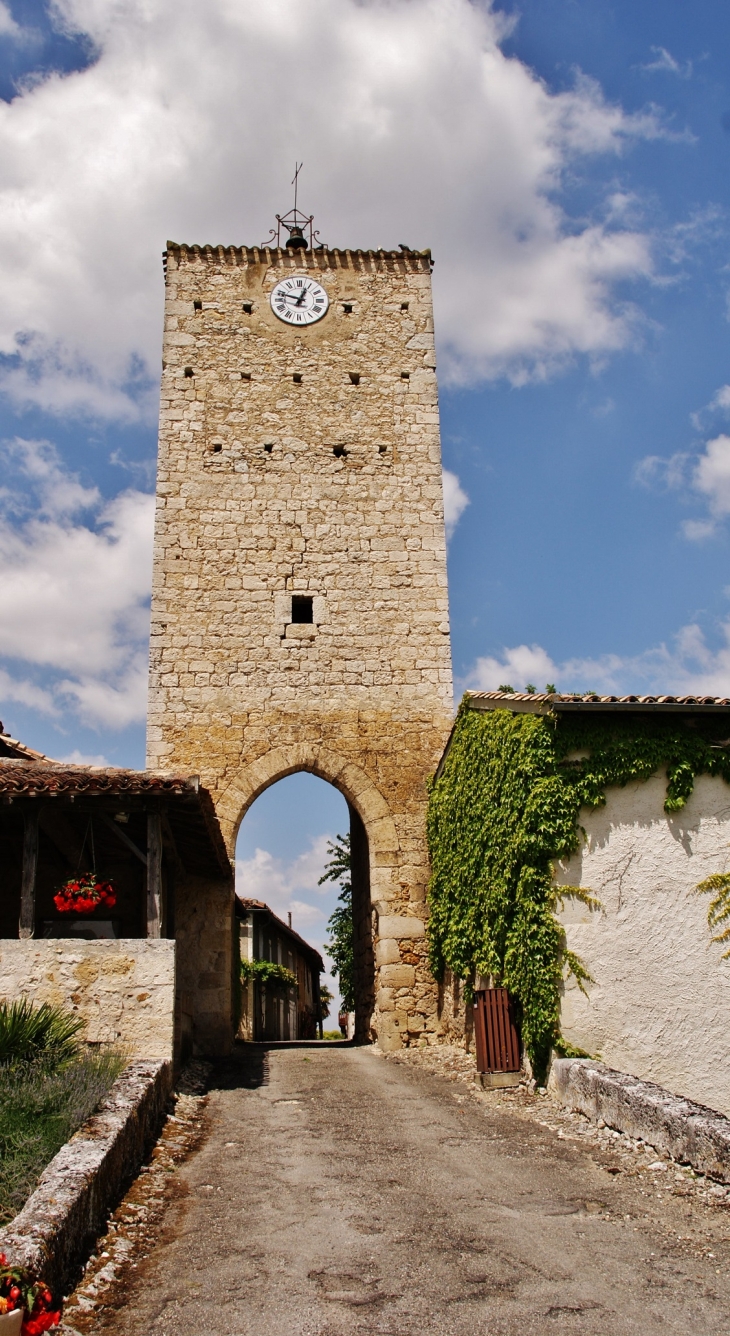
299	301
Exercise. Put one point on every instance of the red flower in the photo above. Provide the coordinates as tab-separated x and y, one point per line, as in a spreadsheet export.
34	1326
82	895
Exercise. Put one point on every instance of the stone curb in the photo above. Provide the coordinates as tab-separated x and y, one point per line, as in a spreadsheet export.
688	1132
54	1231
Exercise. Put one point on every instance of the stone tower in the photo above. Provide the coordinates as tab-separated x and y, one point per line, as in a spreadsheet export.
299	610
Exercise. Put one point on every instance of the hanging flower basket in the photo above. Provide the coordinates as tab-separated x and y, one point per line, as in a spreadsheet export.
27	1306
82	895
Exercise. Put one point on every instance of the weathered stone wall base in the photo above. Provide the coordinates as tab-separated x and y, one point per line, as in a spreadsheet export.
205	928
124	990
53	1233
455	1018
688	1132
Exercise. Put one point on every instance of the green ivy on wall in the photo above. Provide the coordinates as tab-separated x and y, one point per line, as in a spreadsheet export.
267	971
505	806
718	913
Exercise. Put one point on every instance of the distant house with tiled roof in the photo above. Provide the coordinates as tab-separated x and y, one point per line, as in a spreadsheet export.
274	1006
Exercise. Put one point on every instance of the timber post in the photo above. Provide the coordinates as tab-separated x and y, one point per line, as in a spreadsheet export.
154	873
26	926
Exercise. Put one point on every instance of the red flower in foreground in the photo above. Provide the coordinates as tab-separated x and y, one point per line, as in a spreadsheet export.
34	1326
82	895
18	1290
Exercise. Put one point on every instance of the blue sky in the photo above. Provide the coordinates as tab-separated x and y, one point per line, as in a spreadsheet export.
567	160
577	547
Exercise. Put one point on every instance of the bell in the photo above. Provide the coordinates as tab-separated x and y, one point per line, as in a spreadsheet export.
297	239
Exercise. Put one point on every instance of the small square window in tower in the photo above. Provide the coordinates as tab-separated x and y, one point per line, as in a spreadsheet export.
302	609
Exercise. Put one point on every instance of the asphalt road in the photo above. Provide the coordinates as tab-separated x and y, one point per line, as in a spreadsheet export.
340	1192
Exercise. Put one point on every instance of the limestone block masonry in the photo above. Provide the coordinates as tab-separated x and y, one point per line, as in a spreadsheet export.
124	990
304	464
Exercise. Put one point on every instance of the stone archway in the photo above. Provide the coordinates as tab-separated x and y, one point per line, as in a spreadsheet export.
374	845
233	801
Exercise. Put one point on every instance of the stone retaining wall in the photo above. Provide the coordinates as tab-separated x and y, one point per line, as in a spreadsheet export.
124	989
688	1132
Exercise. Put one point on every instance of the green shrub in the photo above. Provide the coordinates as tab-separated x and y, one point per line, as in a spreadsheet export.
40	1109
30	1033
267	971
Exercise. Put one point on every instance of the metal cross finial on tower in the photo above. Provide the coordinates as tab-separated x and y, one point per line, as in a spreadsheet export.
294	222
297	169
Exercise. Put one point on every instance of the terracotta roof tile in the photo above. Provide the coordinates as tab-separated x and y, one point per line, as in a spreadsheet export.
545	703
12	747
189	808
18	776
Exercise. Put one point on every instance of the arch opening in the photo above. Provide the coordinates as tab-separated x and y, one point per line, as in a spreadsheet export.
285	903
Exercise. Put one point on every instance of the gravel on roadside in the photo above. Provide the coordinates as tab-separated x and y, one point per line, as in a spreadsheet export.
615	1150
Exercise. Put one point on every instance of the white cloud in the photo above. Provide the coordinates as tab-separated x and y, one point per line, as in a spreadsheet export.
706	474
77	757
514	667
722	398
116	702
686	667
22	692
671	473
664	62
8	26
416	127
711	476
283	884
455	501
719	404
74	592
697	530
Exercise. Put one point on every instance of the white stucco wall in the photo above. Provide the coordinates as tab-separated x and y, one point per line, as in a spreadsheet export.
124	990
660	1004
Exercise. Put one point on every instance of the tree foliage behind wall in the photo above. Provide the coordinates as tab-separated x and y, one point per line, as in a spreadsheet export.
506	806
341	945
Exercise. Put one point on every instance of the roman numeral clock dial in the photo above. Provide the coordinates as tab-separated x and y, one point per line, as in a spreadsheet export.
299	301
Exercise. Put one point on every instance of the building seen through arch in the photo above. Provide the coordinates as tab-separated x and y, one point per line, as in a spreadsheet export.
284	903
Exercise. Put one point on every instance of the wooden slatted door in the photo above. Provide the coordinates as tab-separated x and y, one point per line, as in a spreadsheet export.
495	1031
